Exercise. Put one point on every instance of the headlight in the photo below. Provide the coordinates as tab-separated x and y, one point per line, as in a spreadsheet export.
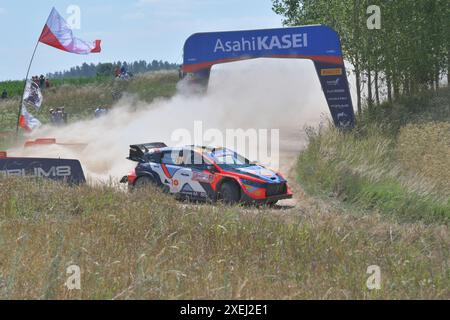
251	183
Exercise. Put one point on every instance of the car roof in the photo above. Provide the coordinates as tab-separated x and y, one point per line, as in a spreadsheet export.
200	149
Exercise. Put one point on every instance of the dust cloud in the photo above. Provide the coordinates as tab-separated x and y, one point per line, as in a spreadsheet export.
256	94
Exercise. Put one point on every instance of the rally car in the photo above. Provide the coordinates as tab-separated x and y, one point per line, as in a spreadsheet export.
204	173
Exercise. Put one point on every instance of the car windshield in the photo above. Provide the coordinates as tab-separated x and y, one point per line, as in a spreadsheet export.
226	158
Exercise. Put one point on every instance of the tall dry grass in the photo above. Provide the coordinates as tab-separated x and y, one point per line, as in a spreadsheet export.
425	149
148	246
396	163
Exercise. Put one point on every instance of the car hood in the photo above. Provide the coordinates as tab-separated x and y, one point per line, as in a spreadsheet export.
261	173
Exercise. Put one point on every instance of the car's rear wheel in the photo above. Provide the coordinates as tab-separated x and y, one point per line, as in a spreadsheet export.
271	203
229	192
144	182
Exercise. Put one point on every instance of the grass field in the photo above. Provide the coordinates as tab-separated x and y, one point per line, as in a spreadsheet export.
396	161
82	96
378	195
152	247
15	87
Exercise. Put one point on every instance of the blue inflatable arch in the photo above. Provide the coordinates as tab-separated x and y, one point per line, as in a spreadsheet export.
318	43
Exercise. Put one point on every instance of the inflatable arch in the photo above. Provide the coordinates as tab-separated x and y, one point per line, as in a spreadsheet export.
318	43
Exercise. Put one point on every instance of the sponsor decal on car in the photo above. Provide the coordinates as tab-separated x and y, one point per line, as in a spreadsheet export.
331	72
202	177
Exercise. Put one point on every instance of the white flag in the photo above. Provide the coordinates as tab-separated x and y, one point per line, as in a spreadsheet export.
32	95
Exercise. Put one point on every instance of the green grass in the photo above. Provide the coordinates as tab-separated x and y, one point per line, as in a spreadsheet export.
148	246
382	165
81	96
15	87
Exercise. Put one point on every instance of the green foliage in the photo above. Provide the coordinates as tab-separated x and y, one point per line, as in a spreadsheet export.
108	68
15	88
387	163
81	96
409	53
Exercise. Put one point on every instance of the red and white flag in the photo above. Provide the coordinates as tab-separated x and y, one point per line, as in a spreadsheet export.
27	121
57	33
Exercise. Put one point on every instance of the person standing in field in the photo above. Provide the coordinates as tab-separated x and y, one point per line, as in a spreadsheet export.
4	94
41	82
117	72
47	83
64	115
101	111
52	116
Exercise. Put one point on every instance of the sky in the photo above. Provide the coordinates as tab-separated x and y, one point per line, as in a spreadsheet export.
129	29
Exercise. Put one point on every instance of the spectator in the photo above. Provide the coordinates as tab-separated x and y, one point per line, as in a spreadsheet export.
180	72
117	72
52	116
41	81
47	83
58	117
100	111
63	115
4	94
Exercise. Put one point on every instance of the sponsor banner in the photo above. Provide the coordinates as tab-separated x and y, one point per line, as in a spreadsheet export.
205	49
318	43
335	87
54	169
331	72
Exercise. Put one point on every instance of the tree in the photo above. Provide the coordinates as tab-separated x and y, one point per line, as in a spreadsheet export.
408	54
107	69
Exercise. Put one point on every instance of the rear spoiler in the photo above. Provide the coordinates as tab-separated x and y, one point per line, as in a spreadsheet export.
137	151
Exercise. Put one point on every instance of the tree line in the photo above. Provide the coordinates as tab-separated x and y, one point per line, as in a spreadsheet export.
409	53
108	69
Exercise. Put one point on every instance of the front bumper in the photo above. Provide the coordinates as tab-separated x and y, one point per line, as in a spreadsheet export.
248	199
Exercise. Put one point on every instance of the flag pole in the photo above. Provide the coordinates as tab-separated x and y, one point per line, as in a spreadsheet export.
24	87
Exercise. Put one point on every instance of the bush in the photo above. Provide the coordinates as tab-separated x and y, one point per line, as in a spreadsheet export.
396	161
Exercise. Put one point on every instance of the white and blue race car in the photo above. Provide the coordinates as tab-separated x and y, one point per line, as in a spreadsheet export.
205	173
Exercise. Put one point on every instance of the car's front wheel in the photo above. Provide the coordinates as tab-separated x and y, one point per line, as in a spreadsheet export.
229	192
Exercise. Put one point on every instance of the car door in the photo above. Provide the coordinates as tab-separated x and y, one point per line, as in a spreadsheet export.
186	180
169	171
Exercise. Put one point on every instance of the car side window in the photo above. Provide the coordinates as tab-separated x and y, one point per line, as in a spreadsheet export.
194	160
153	157
167	158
